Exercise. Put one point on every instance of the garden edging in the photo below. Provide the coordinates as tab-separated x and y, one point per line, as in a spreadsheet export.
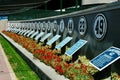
44	72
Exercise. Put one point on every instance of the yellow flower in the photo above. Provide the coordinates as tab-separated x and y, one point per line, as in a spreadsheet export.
66	58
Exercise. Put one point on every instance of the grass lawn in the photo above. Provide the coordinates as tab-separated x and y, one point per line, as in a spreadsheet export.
20	67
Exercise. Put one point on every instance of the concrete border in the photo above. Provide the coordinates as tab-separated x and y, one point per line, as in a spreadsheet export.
10	70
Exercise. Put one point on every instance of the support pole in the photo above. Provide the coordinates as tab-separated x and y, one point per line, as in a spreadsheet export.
61	6
76	4
46	6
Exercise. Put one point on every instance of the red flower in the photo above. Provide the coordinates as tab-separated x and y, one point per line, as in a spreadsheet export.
84	67
42	51
66	65
59	69
58	59
36	51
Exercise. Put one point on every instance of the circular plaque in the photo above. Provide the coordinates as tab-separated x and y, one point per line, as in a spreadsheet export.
28	25
33	25
62	26
70	26
43	26
38	25
82	26
55	26
100	26
23	26
48	26
16	25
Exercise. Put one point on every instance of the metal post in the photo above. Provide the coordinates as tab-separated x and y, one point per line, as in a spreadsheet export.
46	6
60	6
80	3
76	4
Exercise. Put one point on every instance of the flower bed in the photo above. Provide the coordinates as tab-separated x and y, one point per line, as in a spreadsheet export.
78	70
20	67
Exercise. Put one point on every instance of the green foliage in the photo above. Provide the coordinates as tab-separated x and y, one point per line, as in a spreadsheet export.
20	67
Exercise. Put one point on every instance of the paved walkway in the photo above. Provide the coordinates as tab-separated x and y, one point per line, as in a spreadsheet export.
6	72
